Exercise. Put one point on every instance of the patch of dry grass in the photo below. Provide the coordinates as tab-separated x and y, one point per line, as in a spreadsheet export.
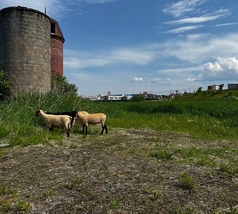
115	173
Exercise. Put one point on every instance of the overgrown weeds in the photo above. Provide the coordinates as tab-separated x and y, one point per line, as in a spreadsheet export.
206	119
187	181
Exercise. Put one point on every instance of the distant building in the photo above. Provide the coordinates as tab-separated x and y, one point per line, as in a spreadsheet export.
128	96
152	96
213	87
209	88
233	86
93	98
110	96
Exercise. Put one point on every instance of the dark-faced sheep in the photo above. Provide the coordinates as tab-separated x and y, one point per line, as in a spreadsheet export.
56	120
70	113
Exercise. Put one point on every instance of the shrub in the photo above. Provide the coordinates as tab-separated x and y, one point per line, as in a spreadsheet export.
60	84
4	84
138	98
187	182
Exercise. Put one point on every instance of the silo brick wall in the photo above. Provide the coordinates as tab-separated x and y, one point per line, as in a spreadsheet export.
57	55
25	48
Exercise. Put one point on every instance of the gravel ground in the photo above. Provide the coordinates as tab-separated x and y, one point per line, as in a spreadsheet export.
113	173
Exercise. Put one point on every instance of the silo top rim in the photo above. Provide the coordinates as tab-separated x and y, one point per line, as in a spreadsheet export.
24	9
58	31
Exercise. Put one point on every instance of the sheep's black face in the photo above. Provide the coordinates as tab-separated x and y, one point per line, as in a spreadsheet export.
37	113
74	113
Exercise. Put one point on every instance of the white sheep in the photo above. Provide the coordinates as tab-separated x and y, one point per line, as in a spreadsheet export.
85	119
56	120
69	113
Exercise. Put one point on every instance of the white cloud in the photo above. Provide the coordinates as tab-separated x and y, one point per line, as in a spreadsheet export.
96	1
184	29
191	80
54	8
136	79
221	69
195	49
182	7
78	63
191	51
156	80
195	20
200	48
181	71
136	56
229	63
225	24
214	67
76	60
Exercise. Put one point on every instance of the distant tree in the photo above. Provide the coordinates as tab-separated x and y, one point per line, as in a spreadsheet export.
138	98
4	83
124	98
60	85
199	90
221	87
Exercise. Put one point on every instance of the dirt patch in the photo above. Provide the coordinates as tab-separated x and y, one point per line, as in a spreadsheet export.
113	173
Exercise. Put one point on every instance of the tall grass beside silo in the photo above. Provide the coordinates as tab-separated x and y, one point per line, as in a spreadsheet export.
19	124
205	119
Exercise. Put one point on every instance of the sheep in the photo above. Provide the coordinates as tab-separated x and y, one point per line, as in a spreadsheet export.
56	120
70	113
85	119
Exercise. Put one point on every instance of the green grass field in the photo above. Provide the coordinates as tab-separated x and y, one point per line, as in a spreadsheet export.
182	151
204	118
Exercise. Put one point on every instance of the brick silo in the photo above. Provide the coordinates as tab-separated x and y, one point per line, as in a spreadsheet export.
25	49
57	42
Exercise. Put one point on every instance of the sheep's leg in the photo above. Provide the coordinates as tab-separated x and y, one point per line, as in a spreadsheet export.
72	122
86	128
67	132
102	129
51	128
105	126
69	127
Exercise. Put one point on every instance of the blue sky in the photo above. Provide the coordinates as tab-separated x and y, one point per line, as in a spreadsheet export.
132	46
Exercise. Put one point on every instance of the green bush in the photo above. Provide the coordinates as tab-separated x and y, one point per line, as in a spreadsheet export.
60	85
4	84
187	182
138	98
